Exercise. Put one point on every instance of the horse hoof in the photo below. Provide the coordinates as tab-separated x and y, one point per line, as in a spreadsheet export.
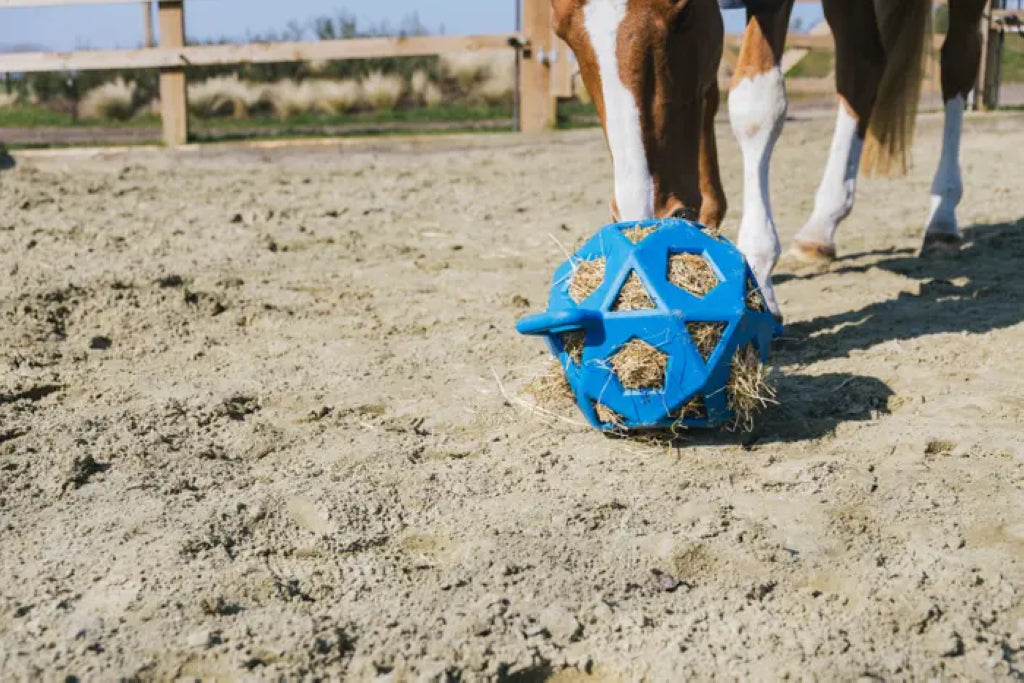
780	329
812	252
940	244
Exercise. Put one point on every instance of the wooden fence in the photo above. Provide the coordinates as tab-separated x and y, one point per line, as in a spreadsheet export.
544	64
534	45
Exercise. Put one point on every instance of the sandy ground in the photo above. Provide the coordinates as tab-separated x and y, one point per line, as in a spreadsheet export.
250	426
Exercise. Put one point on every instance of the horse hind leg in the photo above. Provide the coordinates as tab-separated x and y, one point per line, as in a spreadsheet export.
961	55
834	200
860	63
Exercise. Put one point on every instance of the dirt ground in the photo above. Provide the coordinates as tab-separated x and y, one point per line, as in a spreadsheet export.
251	426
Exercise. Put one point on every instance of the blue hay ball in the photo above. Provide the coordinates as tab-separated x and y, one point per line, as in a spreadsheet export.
692	392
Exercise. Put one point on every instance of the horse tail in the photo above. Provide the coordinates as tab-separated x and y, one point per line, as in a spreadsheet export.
904	27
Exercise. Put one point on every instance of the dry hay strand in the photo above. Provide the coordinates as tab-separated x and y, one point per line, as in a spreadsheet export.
706	337
690	272
749	389
637	233
633	296
573	343
639	365
755	300
713	231
609	416
587	276
695	409
551	389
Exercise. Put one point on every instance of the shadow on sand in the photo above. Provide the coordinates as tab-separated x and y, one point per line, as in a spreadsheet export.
977	290
7	162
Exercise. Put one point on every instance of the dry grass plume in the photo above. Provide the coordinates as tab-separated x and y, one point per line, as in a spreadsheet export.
113	100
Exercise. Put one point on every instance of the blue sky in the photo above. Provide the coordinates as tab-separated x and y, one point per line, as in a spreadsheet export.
108	26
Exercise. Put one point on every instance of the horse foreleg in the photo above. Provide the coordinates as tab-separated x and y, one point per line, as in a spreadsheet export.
757	110
961	54
712	207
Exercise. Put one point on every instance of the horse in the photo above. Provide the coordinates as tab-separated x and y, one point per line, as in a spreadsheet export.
651	67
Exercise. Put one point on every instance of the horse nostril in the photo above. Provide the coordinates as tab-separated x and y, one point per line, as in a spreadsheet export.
685	213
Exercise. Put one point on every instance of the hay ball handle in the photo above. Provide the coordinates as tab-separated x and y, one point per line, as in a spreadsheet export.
556	322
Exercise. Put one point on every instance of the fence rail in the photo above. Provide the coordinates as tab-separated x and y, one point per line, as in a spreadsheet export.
253	53
61	3
545	70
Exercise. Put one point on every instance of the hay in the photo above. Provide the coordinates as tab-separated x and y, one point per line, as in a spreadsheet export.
639	365
755	300
713	231
587	276
691	273
637	233
608	416
633	296
551	388
749	390
706	337
695	409
573	343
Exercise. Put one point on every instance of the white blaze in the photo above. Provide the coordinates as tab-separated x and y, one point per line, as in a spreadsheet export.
838	188
948	187
634	187
757	109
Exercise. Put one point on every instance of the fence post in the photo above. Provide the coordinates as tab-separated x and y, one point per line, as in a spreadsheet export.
173	92
991	58
147	24
561	71
536	101
986	91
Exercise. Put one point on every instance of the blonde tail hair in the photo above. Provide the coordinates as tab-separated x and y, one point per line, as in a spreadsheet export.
905	29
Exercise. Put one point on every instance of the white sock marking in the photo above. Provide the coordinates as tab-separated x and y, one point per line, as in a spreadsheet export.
757	109
634	187
948	186
835	196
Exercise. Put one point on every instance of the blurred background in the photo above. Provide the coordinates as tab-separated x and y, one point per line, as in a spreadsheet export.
470	91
